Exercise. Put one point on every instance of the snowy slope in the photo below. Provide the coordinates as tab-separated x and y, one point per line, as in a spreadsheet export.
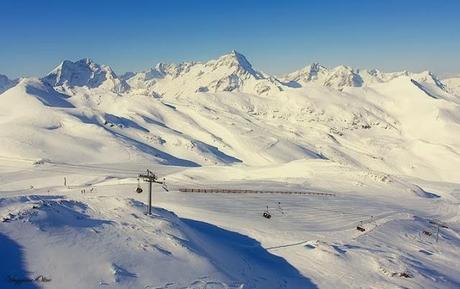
97	241
453	84
40	123
94	233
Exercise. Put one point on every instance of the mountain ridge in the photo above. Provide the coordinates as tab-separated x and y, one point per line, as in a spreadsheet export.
229	72
6	83
182	126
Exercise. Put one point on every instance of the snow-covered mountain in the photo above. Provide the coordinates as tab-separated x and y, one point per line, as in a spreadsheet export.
231	72
338	77
85	72
226	112
453	84
6	83
344	76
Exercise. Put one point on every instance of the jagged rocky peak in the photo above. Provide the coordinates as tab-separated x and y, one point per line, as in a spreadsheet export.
310	72
314	71
231	64
343	76
235	73
4	79
338	77
230	72
160	71
6	83
174	70
85	72
234	58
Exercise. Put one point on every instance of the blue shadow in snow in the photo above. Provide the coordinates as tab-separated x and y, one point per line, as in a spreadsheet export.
12	265
123	122
422	88
166	158
156	122
292	83
205	148
233	251
64	213
50	97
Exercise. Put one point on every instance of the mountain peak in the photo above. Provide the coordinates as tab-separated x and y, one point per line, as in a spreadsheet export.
238	56
6	83
343	76
85	72
234	57
84	62
233	60
4	79
310	72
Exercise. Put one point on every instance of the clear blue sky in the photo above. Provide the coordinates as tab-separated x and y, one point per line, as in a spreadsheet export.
276	36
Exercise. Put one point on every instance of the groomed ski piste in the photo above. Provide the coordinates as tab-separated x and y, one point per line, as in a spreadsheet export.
357	170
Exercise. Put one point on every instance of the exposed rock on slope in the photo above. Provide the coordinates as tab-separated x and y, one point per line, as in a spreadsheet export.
6	83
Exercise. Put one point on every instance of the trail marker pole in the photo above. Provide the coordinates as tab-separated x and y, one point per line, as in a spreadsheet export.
150	198
439	225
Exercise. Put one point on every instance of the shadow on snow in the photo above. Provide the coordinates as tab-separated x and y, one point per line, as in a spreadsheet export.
244	259
12	265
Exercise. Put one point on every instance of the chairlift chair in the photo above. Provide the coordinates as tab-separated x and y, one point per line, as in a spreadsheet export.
267	214
164	186
139	189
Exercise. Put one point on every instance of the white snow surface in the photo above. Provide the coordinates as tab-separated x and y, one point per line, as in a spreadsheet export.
383	148
453	84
